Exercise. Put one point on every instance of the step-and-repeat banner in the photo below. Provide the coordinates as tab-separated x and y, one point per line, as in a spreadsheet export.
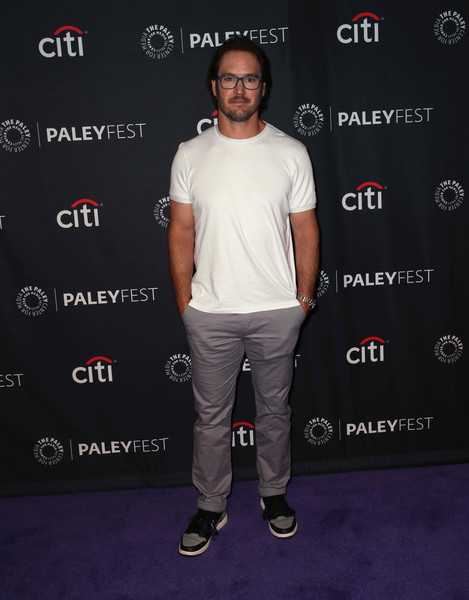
95	373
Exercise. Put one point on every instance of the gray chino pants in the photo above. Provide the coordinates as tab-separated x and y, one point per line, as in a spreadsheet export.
217	343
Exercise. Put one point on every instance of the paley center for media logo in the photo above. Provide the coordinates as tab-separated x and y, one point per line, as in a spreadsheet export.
364	28
449	195
318	430
384	117
243	434
32	301
49	451
158	40
15	136
214	39
369	350
178	367
82	213
385	278
155	445
161	211
309	119
323	284
67	42
449	27
448	349
395	425
106	132
101	297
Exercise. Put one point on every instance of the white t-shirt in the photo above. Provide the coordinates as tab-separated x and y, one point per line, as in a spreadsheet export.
241	193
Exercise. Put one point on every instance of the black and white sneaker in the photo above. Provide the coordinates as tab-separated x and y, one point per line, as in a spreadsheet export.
202	527
280	517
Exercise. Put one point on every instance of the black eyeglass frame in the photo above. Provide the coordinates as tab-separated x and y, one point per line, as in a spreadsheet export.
258	78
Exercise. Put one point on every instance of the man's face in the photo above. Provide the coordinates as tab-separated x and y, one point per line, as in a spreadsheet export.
238	104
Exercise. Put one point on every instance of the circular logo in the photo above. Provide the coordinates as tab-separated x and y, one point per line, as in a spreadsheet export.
179	368
48	451
157	41
449	195
308	119
449	27
323	284
14	135
448	349
161	212
32	301
318	431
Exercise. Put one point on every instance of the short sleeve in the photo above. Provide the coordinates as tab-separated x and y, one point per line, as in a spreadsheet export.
179	188
303	190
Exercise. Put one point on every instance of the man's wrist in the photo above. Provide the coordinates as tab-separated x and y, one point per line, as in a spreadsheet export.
182	303
305	299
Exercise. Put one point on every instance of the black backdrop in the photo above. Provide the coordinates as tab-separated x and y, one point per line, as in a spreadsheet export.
95	370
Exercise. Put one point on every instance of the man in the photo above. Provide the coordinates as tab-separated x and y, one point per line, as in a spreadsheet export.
237	192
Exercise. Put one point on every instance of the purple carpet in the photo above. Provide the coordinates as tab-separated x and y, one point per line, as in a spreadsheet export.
400	534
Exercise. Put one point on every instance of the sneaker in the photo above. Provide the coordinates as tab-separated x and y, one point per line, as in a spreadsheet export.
202	527
280	517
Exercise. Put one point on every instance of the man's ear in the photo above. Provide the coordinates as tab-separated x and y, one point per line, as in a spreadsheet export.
214	87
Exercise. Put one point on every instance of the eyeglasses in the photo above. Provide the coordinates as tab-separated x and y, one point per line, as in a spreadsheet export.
229	82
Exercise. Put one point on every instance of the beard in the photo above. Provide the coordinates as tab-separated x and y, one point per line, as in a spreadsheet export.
238	111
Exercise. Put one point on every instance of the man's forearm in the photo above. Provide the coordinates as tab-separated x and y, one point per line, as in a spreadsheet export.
307	262
307	266
181	262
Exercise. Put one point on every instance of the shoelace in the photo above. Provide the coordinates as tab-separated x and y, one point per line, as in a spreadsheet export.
277	507
203	525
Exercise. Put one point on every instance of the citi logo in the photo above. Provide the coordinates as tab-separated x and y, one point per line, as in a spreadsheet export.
367	196
370	349
364	28
243	434
97	369
64	43
79	215
204	124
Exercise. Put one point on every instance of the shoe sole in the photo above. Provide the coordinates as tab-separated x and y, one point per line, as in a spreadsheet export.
275	533
219	525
